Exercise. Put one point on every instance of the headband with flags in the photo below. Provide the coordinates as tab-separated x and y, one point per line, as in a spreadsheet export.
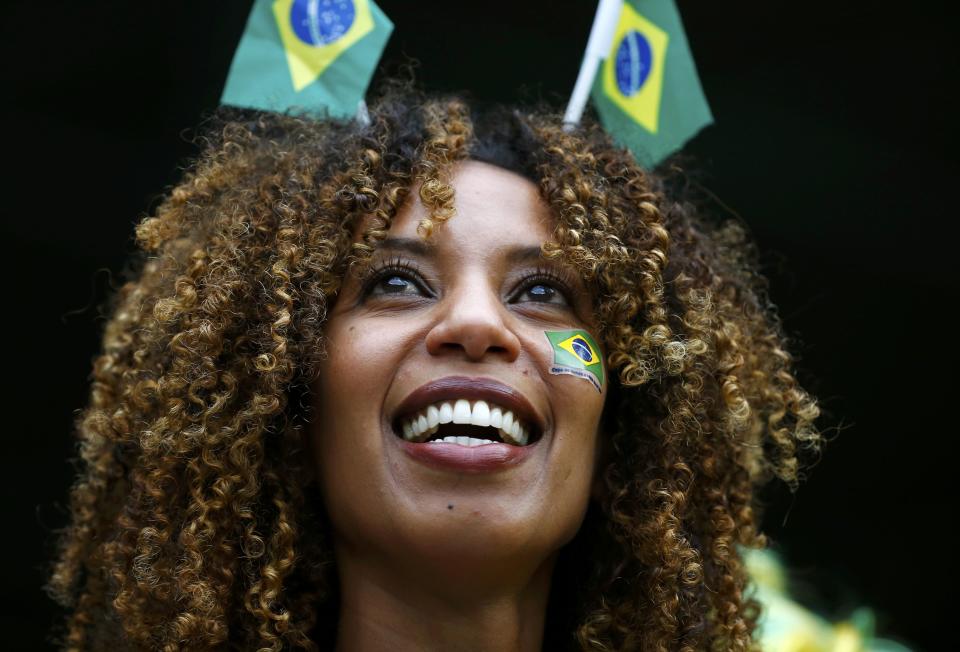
319	56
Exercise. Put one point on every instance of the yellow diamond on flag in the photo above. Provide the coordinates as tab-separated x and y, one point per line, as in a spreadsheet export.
315	32
580	347
633	71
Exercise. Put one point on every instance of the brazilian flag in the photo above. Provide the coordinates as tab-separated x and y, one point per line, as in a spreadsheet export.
310	55
575	352
647	92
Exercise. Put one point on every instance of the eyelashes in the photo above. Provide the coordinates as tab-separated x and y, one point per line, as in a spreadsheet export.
560	280
377	273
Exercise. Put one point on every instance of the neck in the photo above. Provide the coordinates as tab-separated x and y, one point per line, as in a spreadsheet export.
385	606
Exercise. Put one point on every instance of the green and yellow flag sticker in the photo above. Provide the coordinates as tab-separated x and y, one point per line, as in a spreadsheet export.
575	352
307	55
647	92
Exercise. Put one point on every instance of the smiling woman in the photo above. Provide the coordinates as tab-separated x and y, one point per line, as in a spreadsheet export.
453	380
437	517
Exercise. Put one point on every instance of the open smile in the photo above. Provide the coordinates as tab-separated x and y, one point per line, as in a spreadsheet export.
467	424
469	412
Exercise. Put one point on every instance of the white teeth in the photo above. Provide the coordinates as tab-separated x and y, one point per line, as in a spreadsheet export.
462	441
461	411
446	413
481	414
507	421
523	437
426	423
510	429
433	416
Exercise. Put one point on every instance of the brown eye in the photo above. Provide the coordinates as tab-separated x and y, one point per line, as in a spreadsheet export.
397	279
394	284
542	291
545	290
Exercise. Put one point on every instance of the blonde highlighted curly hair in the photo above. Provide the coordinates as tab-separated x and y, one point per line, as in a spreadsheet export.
194	522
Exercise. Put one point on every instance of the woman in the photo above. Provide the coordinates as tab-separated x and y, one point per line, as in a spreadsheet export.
318	300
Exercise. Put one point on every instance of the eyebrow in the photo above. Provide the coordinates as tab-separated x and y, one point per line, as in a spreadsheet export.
410	245
418	247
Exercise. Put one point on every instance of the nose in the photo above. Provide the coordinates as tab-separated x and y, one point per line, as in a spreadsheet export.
473	320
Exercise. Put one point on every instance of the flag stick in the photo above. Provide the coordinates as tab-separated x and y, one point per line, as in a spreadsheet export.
362	116
598	46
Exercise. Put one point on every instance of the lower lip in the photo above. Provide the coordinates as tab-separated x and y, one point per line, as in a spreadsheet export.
468	459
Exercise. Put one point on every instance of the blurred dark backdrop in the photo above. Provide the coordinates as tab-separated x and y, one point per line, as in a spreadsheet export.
833	140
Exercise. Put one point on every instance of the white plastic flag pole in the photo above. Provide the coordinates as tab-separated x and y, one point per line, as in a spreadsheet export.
362	116
598	46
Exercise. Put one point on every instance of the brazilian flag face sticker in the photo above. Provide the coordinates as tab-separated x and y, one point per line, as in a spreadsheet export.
575	352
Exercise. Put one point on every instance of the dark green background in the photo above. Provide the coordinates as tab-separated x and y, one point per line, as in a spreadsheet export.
834	140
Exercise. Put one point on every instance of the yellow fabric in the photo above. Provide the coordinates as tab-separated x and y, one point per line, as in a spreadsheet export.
643	106
786	626
307	62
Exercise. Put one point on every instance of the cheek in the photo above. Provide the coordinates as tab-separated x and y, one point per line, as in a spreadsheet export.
571	482
577	403
577	410
362	362
358	363
346	436
348	395
576	460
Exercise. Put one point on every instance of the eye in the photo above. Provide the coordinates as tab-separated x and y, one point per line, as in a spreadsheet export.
546	287
542	292
393	283
394	279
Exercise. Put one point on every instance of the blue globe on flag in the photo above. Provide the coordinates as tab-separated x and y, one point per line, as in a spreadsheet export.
634	61
583	350
320	22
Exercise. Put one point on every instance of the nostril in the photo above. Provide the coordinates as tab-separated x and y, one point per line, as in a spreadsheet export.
477	332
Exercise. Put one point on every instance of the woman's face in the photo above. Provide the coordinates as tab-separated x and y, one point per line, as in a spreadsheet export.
458	319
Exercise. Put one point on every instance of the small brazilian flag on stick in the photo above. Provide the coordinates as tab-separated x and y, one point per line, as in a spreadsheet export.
576	353
646	91
307	55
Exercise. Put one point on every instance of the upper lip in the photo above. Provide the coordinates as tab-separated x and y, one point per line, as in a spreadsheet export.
465	387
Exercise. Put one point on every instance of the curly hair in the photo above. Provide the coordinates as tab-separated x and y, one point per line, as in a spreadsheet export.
194	522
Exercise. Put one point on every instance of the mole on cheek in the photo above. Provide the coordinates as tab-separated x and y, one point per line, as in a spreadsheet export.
449	506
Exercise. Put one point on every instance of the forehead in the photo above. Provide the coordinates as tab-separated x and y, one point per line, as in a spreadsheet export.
493	207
